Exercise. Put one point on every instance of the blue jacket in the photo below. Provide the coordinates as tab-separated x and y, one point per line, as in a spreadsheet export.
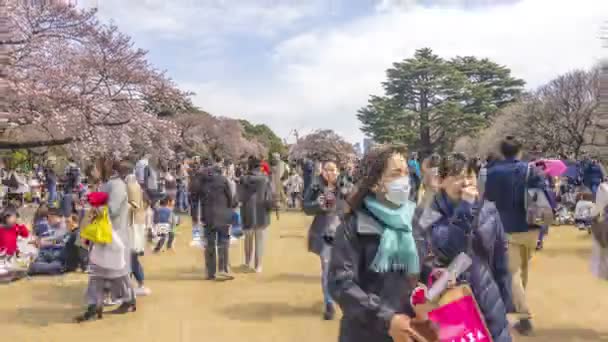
592	174
488	276
505	186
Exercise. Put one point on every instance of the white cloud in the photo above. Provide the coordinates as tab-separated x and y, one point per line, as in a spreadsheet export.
194	18
323	76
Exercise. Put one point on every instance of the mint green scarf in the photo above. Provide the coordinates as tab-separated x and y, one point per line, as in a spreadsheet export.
397	250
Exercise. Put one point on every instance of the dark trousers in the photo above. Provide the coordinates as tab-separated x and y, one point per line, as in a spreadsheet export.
216	252
165	238
137	269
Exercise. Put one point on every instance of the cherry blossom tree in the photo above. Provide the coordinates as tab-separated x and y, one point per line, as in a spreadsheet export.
71	79
323	145
205	134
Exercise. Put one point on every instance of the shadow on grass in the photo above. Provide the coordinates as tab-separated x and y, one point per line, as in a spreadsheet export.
56	303
581	252
265	312
295	278
184	274
567	335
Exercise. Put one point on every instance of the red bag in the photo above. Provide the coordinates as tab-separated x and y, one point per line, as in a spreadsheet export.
460	320
97	199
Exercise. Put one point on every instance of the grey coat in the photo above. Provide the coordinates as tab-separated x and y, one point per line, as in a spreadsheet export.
118	208
255	195
368	299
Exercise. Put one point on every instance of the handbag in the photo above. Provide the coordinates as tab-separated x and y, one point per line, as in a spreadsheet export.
538	208
99	231
459	317
110	256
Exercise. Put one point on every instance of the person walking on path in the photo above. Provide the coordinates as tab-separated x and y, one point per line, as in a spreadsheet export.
374	263
214	194
137	230
506	185
255	195
323	201
110	265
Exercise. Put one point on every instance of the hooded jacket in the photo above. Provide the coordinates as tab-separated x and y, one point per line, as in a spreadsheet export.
212	192
255	195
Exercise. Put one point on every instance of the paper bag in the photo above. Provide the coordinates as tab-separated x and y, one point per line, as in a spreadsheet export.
459	318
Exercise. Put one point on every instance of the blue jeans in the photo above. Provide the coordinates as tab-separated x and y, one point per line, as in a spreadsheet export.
66	204
52	196
137	269
325	256
544	230
182	200
594	188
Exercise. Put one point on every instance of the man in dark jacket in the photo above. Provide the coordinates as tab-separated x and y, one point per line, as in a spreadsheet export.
506	185
213	194
255	195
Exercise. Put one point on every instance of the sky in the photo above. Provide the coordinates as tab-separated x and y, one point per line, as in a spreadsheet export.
310	64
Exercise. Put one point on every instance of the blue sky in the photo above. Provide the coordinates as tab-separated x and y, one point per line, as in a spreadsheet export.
307	64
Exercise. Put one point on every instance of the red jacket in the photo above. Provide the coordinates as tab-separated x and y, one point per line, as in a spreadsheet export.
8	238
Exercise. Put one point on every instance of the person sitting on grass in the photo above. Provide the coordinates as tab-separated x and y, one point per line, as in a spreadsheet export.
10	230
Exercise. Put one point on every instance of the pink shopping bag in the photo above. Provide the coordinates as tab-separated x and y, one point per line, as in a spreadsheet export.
460	321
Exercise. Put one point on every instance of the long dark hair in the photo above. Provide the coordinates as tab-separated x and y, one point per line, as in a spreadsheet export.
370	171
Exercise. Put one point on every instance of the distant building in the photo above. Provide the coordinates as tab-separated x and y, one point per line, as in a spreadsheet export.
358	149
368	143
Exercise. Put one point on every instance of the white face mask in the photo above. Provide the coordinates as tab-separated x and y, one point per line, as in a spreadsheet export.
398	191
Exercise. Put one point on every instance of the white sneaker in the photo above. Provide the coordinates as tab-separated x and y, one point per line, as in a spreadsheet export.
258	269
110	302
142	291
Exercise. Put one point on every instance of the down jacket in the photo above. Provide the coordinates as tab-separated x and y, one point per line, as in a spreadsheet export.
448	226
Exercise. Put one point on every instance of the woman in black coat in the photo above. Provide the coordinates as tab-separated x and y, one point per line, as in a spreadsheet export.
374	263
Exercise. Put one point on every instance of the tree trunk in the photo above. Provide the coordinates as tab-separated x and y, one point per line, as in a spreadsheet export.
13	145
425	130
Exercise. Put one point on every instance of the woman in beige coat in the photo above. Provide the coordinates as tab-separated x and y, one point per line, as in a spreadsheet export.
137	224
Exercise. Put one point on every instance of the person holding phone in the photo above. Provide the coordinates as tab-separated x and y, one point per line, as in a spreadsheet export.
322	200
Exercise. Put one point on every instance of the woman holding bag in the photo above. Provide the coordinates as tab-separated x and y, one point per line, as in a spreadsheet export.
110	263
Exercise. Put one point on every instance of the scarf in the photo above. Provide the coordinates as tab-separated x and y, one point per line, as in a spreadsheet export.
397	250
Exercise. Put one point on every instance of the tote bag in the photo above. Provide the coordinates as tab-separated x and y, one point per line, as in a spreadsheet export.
110	256
99	231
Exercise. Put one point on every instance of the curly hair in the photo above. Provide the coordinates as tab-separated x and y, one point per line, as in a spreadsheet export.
370	171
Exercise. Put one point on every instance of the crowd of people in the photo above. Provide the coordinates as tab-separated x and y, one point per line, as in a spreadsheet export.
382	226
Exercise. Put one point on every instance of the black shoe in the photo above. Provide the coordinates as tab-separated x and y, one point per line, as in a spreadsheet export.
125	307
524	327
92	312
329	313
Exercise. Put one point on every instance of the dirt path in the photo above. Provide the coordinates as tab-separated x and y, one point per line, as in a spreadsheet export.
282	304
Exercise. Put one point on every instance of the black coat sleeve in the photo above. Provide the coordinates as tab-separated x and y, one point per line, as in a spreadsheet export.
344	281
311	203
